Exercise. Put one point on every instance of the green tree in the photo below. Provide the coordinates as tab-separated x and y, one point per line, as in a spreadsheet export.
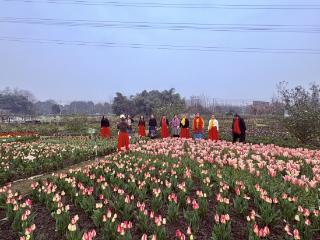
167	102
121	104
55	109
17	104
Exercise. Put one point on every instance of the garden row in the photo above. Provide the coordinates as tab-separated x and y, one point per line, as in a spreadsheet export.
19	136
20	160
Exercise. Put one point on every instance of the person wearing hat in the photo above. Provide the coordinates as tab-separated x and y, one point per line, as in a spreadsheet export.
184	126
198	125
123	136
213	129
105	128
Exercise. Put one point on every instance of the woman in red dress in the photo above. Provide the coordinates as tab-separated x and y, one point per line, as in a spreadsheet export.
142	127
123	137
164	123
213	129
105	128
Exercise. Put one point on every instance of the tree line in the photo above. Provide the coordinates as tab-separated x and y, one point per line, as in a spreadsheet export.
166	102
22	102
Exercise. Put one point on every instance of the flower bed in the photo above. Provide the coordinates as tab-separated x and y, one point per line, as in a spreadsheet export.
20	160
21	136
175	189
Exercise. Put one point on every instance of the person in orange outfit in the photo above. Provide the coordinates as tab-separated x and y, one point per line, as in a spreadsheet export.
184	126
164	125
198	125
142	127
213	129
105	128
123	136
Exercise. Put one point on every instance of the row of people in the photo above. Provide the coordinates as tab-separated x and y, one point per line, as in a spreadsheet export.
179	128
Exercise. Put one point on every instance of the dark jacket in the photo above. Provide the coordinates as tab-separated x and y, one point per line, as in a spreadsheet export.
123	126
242	125
152	122
186	125
105	122
142	123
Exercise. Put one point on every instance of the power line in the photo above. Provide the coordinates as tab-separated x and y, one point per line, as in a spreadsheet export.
173	26
170	47
179	5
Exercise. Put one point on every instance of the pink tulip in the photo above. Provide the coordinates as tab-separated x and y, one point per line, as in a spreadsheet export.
296	235
178	233
144	237
216	218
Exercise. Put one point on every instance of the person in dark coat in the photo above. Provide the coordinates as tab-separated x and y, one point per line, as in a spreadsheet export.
130	122
152	127
184	126
105	128
123	136
238	129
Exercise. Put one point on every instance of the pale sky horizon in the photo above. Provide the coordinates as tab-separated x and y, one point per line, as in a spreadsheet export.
65	72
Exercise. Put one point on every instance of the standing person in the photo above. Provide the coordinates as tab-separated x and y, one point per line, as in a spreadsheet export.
198	125
175	124
142	127
213	129
123	136
130	122
152	127
105	128
164	123
238	129
184	126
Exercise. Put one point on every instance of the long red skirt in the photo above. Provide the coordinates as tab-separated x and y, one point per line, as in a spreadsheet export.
142	131
123	141
185	133
164	132
105	132
213	134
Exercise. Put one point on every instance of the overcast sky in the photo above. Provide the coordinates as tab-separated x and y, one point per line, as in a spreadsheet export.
67	72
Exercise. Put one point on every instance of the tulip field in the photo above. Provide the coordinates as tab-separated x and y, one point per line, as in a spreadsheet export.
165	189
22	136
24	159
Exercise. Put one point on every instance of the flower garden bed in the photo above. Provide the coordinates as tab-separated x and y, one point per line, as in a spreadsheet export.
21	136
174	189
21	160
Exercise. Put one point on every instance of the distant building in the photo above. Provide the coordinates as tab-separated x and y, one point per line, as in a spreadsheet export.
260	107
260	104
